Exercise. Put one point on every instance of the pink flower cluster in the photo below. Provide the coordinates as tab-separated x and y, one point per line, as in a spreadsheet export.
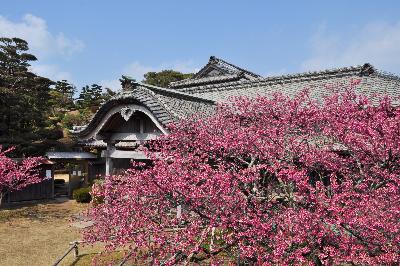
275	180
16	176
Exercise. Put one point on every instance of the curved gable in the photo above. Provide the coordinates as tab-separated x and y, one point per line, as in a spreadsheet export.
137	100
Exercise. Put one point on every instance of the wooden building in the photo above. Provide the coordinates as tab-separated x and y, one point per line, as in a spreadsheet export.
38	191
141	112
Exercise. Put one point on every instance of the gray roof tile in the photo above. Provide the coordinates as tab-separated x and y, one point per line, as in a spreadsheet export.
319	83
165	104
200	94
215	72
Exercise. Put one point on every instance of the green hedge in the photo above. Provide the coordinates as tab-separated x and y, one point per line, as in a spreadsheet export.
82	195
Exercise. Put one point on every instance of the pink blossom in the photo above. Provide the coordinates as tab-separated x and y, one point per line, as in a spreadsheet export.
282	181
15	176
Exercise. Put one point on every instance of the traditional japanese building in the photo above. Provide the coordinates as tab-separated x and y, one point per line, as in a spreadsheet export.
141	112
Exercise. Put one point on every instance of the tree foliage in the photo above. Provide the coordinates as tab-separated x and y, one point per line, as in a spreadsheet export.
164	77
36	112
90	96
108	94
273	181
15	176
62	96
90	99
24	98
76	118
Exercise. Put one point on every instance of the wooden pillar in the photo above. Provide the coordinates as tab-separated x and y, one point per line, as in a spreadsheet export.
109	165
86	172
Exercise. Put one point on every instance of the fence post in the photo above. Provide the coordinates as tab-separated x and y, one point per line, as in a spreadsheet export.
73	246
76	251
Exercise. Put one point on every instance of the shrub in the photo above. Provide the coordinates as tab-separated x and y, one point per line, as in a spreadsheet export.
82	195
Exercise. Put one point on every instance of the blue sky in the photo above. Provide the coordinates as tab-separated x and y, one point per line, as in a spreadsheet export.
96	41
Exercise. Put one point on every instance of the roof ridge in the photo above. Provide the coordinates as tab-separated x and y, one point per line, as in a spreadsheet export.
173	92
235	66
388	75
204	80
365	69
360	70
225	66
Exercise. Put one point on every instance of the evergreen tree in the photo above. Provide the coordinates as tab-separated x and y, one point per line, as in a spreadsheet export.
24	99
67	91
108	94
90	96
164	78
62	97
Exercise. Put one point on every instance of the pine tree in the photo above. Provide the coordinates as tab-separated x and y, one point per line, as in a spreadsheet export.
24	99
90	96
164	78
67	91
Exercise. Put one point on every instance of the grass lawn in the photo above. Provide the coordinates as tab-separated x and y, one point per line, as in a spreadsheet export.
37	233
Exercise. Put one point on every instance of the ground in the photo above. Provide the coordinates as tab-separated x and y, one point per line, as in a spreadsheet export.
37	233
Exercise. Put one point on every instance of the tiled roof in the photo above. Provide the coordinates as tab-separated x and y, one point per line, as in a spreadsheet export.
320	83
282	79
215	72
165	104
199	95
224	66
187	83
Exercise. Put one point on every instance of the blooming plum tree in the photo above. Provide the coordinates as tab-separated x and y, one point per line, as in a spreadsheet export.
16	176
275	180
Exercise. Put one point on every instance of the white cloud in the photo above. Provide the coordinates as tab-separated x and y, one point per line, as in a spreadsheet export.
376	43
51	71
137	70
113	84
42	43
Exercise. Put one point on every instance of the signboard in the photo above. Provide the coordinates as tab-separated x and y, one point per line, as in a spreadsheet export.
48	173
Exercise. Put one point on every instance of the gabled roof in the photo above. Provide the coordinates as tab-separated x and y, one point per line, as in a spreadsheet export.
223	67
319	82
166	105
200	95
215	72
